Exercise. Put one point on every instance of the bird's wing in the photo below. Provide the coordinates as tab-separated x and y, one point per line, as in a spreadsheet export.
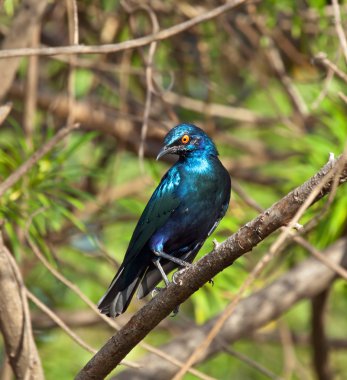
163	202
153	276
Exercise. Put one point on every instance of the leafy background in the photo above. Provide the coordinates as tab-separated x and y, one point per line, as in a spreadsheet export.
81	202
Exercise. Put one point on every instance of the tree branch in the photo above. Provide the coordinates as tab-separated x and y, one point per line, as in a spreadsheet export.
210	265
304	281
131	44
15	324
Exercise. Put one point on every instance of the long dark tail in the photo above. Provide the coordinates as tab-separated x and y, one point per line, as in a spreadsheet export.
119	294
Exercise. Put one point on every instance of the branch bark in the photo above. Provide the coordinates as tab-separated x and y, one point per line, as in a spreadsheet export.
15	324
304	281
209	266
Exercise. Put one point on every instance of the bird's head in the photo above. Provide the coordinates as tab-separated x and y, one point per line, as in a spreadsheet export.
187	139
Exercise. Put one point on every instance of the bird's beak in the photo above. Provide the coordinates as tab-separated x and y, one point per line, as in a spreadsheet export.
166	150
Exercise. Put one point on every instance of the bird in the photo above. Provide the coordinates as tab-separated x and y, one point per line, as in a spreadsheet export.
186	207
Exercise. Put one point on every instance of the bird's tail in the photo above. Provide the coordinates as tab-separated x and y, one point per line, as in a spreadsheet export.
119	294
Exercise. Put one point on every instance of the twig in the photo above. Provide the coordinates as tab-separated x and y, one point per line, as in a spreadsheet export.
339	29
72	13
31	89
59	322
27	165
319	256
4	111
252	363
214	109
149	84
199	273
324	90
135	43
321	58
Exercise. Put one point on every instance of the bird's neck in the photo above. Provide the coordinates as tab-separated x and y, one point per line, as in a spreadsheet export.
197	161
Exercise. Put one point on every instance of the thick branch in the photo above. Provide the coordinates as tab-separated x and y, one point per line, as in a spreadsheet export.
15	324
304	281
209	266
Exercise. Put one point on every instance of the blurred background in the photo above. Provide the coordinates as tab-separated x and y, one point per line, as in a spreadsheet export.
254	78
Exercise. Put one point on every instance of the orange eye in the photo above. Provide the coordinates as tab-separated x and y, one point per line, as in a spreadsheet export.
185	139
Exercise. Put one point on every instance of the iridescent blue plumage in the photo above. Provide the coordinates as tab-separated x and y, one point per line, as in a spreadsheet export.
183	211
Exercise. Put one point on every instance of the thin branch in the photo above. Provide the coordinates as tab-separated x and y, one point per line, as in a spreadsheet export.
217	110
199	273
4	111
72	14
31	83
252	363
149	84
59	322
322	59
319	256
135	43
339	28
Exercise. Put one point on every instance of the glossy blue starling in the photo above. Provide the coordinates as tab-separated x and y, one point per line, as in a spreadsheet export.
183	211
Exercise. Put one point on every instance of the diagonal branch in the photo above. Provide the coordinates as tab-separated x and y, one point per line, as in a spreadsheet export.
304	281
196	276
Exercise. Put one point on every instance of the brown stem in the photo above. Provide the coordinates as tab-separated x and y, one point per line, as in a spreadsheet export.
320	346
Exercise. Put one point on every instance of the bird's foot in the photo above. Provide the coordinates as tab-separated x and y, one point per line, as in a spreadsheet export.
175	311
298	226
211	281
156	291
176	276
215	244
331	158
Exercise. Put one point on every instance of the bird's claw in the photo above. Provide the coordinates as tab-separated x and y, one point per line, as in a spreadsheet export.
298	226
176	275
156	291
331	157
211	281
215	244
